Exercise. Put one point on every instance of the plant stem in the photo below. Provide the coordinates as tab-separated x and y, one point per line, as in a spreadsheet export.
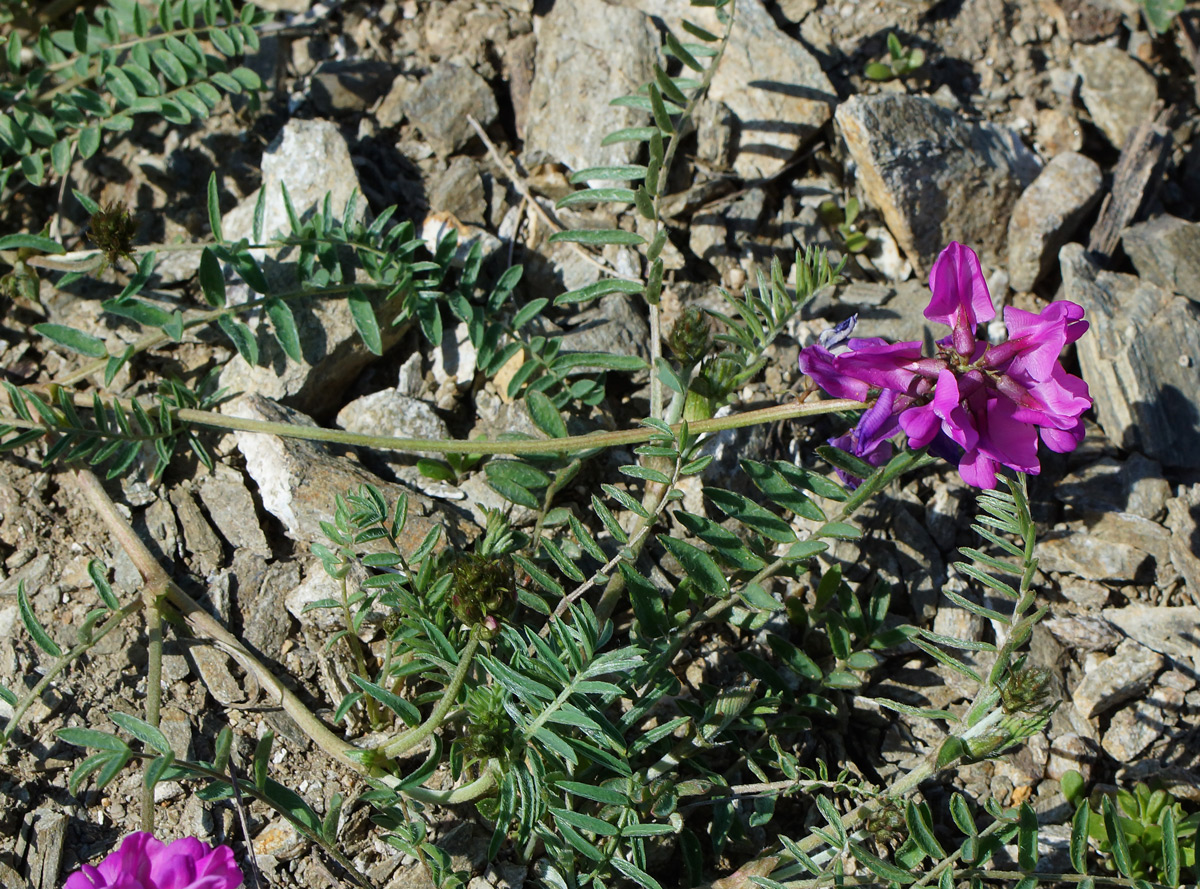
400	745
205	624
154	652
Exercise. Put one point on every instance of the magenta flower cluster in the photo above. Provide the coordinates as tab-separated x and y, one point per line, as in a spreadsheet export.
145	862
979	405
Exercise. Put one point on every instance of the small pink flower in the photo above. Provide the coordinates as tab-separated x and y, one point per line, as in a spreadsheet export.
981	406
145	862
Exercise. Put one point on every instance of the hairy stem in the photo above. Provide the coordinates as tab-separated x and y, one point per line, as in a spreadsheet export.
205	624
154	652
410	739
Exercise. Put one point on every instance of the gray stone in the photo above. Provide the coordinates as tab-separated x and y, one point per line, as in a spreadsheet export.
1135	728
934	176
1125	675
454	359
1166	250
231	506
614	326
1083	632
312	159
581	65
1183	519
1087	593
459	190
1135	486
298	481
440	105
1109	546
1116	89
351	85
1071	752
770	82
901	316
1047	214
388	412
1170	631
1141	359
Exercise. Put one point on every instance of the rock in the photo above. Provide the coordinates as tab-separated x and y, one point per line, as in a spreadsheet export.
1057	131
614	326
1118	92
1135	486
1166	250
231	507
440	105
934	176
900	317
1110	546
199	538
281	840
1125	675
1047	214
349	85
578	70
1183	518
458	190
298	481
1071	752
454	359
771	84
1083	632
1141	359
388	412
941	514
312	159
1169	631
1135	728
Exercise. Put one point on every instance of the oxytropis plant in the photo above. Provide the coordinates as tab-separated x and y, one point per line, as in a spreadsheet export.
540	673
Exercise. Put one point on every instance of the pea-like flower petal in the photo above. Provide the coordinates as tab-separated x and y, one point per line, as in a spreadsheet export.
145	862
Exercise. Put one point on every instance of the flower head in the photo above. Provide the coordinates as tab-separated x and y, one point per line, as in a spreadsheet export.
982	406
145	862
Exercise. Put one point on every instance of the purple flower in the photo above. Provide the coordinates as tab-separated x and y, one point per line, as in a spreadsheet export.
982	406
144	862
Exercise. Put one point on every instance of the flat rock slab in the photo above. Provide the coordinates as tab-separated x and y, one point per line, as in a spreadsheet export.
440	105
298	481
1116	547
1141	359
1174	632
935	176
1123	676
1048	213
1118	92
587	55
312	159
1166	250
1135	486
774	87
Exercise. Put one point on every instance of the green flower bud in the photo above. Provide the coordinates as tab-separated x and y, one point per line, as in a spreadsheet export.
112	230
484	591
690	336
